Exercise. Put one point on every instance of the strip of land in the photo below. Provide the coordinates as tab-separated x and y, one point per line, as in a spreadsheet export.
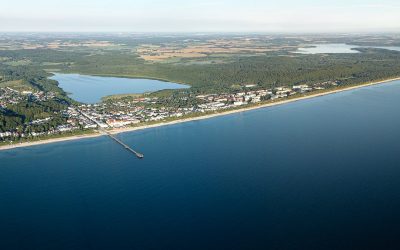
201	117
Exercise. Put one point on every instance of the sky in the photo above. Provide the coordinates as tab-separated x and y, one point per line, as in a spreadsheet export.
200	16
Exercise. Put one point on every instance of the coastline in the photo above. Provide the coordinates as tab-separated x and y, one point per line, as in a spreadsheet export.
201	117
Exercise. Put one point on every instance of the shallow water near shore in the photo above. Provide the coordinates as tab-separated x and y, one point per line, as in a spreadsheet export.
90	89
315	174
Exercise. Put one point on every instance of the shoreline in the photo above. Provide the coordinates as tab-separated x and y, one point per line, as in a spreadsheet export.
201	117
123	76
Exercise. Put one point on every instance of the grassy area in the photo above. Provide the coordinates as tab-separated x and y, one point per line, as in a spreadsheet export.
121	96
23	62
19	85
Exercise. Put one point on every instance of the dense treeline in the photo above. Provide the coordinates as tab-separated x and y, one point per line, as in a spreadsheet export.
35	110
205	76
22	114
18	116
34	77
43	55
9	121
265	71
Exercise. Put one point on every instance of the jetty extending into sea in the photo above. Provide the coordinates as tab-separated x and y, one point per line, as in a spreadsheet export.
138	155
102	126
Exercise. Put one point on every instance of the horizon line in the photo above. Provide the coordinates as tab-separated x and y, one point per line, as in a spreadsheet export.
198	32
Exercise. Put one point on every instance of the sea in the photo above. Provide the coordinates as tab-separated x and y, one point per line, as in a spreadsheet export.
321	173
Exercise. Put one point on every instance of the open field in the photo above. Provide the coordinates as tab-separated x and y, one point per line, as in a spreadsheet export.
151	52
17	85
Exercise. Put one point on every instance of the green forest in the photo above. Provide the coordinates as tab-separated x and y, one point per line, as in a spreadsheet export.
265	71
223	74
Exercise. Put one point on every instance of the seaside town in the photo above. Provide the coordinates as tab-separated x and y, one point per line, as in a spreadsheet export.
125	113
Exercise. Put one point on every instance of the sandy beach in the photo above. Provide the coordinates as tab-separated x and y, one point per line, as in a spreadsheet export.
244	109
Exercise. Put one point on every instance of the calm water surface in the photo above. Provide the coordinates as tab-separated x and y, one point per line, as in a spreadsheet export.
322	173
90	89
338	48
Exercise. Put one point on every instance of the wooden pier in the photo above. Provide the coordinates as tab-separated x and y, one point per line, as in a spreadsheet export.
101	127
138	155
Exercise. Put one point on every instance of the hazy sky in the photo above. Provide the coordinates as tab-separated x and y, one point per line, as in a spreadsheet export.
201	16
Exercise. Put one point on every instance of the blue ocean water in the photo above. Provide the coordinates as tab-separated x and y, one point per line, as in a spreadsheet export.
321	173
90	89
